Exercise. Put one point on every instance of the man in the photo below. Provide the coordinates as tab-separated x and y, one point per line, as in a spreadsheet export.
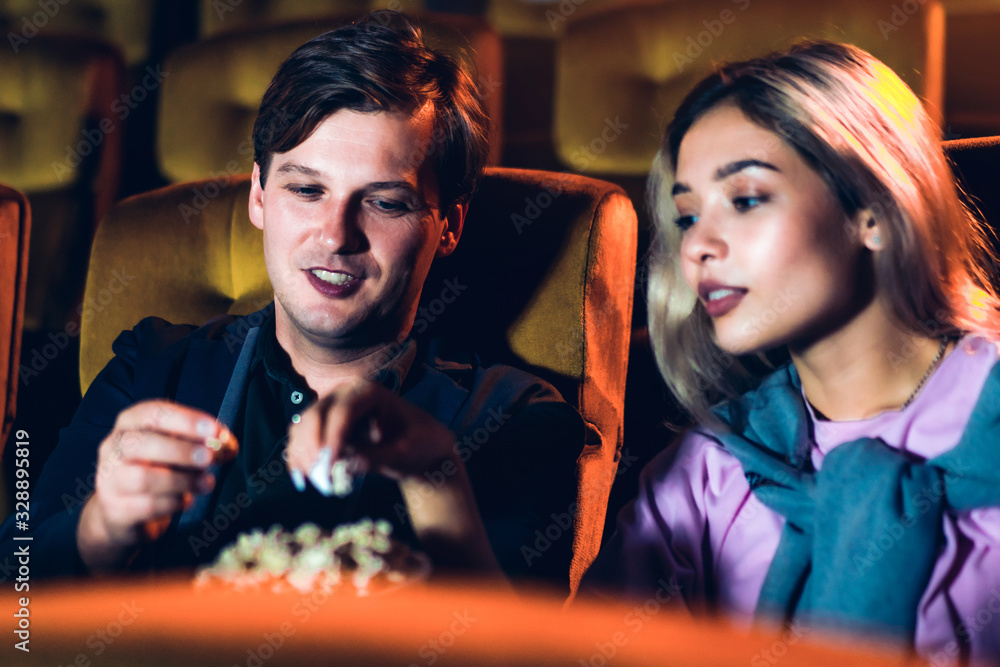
368	146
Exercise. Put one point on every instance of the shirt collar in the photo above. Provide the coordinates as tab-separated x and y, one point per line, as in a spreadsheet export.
390	372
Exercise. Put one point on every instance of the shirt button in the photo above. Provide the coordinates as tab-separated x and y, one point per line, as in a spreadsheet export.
297	397
296	418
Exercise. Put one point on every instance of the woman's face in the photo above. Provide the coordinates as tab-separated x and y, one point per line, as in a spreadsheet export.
765	243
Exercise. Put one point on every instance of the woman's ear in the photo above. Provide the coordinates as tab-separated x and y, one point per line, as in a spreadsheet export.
869	230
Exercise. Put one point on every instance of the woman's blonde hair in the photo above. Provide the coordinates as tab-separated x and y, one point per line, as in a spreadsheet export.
864	131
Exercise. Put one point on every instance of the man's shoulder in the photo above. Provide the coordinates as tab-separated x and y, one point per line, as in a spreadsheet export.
462	390
155	335
466	369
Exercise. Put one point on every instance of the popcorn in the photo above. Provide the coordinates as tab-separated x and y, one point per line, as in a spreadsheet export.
361	554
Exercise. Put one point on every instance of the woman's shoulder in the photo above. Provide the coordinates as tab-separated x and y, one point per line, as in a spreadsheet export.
696	460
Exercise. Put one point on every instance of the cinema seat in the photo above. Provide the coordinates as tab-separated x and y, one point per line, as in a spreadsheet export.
60	137
128	24
621	73
548	260
217	18
210	100
15	226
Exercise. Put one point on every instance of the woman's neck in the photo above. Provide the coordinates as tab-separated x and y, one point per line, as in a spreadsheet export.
869	366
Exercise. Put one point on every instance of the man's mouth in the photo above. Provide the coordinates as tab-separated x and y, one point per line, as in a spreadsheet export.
333	277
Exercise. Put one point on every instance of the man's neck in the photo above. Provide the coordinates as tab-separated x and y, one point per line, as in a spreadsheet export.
323	366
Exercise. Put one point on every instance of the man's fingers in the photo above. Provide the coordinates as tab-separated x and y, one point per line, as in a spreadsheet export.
146	480
140	509
349	421
171	419
160	449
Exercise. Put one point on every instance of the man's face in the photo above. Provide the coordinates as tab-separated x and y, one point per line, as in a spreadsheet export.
351	223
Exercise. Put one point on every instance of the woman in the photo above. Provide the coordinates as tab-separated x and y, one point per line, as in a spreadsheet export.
804	209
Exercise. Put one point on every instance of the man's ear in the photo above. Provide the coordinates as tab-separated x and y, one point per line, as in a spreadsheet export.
256	199
454	221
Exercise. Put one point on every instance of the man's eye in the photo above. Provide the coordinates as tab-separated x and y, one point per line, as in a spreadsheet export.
304	191
743	204
684	222
390	206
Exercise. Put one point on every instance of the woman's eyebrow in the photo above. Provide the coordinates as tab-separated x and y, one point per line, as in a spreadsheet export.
739	165
726	171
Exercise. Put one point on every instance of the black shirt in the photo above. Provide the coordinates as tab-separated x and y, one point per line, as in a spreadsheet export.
518	439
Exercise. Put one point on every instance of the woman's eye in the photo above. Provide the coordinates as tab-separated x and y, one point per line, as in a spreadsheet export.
684	222
746	203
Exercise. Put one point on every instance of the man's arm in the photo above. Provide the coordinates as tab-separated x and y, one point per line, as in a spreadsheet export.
67	482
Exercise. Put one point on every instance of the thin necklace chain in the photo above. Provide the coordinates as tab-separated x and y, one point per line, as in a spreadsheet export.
934	362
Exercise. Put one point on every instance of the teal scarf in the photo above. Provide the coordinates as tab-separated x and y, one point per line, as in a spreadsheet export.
861	535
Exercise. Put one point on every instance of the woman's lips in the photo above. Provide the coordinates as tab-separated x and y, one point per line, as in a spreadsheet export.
720	299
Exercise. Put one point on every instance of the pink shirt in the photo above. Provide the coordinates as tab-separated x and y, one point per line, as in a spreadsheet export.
696	518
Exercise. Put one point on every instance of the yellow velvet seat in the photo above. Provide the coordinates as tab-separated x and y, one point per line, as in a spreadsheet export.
621	73
127	24
545	266
210	99
218	17
15	226
61	138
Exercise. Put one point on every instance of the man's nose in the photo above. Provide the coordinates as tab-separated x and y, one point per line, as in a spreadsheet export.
339	229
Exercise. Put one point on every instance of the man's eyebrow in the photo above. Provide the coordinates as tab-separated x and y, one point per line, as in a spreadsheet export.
391	185
296	168
726	171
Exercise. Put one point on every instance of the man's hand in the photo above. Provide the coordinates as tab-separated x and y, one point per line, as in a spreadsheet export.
366	424
148	468
372	428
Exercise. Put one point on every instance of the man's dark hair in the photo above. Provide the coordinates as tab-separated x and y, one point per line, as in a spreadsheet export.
378	63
